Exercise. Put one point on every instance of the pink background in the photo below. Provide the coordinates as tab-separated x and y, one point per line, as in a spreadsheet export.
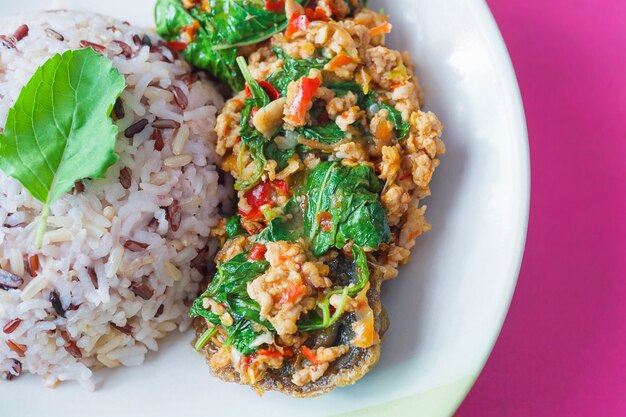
562	351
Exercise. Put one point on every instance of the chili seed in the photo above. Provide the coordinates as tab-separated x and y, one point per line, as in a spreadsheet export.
142	289
159	144
135	246
17	348
165	124
56	303
9	281
173	215
96	47
125	178
135	128
118	108
126	49
54	34
11	326
179	97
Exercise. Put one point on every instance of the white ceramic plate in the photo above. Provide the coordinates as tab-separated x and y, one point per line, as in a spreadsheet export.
447	306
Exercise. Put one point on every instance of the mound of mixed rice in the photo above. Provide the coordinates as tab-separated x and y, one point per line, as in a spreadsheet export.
122	256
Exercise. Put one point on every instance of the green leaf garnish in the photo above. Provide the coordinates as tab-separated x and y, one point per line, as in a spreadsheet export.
228	24
59	130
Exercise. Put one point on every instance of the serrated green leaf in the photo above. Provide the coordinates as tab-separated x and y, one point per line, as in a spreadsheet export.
59	130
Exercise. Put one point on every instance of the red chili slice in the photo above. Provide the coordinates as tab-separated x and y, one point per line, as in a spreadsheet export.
276	6
257	198
258	252
281	186
176	46
272	93
306	89
297	23
309	355
315	14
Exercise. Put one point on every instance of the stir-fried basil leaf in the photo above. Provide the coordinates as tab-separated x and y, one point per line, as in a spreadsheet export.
253	140
313	321
59	130
229	289
225	26
288	227
366	101
402	127
328	133
293	70
349	197
282	157
233	227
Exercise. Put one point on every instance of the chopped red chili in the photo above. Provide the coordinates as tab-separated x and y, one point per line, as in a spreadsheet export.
292	293
272	93
258	252
276	6
281	187
309	355
297	23
176	46
315	14
306	89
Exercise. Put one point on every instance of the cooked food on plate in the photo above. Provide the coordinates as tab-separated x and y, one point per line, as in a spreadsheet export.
332	154
120	163
108	192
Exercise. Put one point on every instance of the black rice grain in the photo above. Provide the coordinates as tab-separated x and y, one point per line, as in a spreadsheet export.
172	213
179	97
54	35
157	136
136	128
94	278
8	281
142	290
118	108
125	178
165	124
126	50
95	46
56	303
134	246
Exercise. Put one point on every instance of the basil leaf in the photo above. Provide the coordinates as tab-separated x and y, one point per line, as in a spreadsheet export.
293	70
272	152
328	133
227	25
350	196
402	127
59	130
229	288
233	227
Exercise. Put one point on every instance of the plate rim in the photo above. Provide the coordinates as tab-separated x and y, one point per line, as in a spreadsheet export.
446	399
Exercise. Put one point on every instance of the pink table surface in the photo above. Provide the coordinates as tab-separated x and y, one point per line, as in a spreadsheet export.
562	351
